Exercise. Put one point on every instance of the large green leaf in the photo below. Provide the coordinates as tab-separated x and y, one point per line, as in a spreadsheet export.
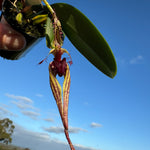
86	38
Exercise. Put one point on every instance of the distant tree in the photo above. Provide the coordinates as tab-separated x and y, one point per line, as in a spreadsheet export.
6	130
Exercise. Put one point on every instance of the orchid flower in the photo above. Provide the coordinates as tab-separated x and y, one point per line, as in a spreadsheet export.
59	67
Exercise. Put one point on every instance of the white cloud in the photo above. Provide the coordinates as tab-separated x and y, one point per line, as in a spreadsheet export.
4	112
40	141
31	114
25	104
58	130
95	125
49	120
21	98
139	59
54	129
76	130
136	60
22	105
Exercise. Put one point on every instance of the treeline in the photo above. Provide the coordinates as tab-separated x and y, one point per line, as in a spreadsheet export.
11	147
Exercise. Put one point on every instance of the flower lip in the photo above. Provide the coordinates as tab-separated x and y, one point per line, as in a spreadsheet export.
59	67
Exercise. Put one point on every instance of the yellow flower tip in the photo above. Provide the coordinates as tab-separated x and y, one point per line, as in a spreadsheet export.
64	51
58	51
52	51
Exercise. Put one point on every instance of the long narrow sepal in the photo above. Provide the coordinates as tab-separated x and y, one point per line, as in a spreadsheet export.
66	89
56	89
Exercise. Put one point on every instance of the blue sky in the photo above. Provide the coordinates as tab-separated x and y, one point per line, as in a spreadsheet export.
104	113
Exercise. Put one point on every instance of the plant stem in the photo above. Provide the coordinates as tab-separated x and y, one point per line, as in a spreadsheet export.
49	7
68	139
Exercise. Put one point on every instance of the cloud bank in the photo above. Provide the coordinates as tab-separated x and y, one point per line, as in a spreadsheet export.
59	130
40	141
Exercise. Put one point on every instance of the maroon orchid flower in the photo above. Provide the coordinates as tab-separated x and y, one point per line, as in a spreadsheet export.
60	67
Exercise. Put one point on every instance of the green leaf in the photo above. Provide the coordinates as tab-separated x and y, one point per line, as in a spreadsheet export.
49	33
86	38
